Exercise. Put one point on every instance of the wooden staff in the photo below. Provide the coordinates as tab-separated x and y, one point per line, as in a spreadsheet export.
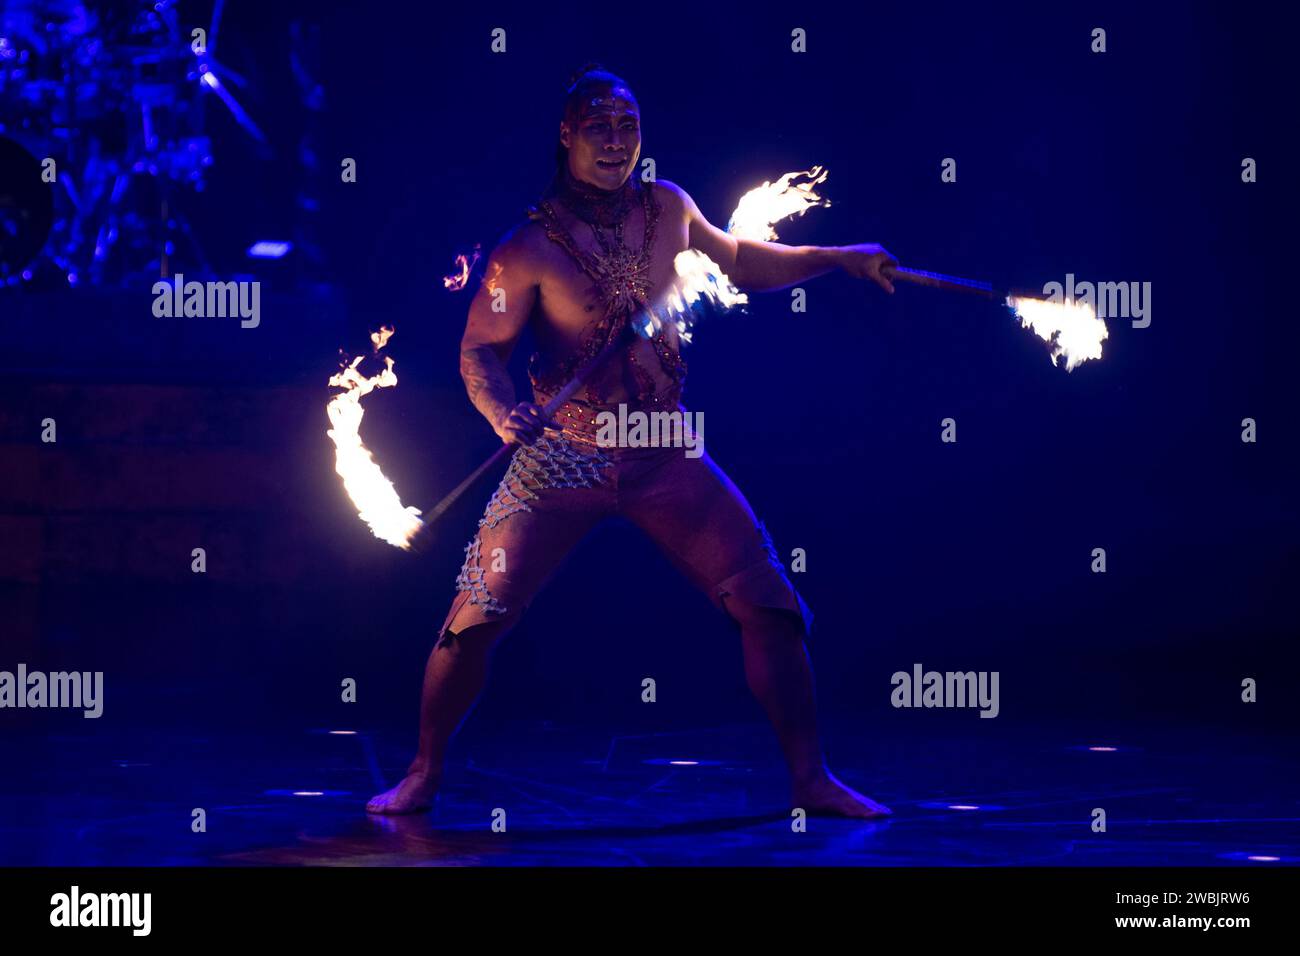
423	535
937	280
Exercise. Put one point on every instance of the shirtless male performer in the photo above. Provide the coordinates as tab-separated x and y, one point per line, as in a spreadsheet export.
597	247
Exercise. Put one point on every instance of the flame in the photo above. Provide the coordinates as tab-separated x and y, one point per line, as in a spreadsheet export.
373	494
700	283
763	206
1071	328
464	265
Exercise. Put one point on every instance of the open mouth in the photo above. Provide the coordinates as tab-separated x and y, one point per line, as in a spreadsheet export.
612	163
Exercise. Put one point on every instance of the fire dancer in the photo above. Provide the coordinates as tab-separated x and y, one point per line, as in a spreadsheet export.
590	256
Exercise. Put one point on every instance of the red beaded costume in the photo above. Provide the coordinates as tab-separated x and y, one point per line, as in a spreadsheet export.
558	488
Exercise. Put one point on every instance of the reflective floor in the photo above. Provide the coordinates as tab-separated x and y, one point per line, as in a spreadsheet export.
713	796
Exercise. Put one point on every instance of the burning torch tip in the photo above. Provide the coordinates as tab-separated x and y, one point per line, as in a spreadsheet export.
420	539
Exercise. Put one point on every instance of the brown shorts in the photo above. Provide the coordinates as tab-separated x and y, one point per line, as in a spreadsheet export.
560	487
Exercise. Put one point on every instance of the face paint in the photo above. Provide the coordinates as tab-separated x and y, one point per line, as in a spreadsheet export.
605	138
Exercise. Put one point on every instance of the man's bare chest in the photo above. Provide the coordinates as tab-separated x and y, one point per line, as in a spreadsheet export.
572	292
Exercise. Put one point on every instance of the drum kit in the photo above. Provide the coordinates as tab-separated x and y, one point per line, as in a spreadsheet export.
102	137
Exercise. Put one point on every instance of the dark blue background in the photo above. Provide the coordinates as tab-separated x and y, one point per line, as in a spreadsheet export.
1116	167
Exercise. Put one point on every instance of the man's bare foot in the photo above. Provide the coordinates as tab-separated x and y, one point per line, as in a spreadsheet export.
827	796
412	795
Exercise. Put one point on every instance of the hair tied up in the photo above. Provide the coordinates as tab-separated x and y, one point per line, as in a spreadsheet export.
590	67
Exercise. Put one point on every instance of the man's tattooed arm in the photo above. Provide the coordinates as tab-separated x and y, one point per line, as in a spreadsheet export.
497	317
488	382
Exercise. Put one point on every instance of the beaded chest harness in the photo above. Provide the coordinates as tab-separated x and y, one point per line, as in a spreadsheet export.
622	281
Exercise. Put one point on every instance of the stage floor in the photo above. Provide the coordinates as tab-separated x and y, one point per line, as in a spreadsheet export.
576	797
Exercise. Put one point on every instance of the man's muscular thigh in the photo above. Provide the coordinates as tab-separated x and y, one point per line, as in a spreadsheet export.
700	519
692	510
551	496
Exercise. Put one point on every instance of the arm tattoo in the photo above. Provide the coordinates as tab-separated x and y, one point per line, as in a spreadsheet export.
487	382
